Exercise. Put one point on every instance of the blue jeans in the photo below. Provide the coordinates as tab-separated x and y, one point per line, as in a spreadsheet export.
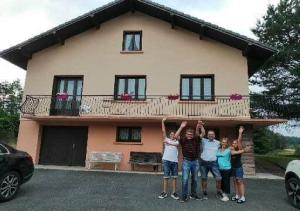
212	166
238	173
187	168
170	169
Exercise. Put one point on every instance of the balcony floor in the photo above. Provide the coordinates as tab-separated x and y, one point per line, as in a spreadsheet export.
213	121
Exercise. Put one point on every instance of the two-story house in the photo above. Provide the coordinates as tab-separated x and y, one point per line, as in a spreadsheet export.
104	81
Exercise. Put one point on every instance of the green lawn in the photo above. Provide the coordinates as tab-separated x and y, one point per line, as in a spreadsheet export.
279	157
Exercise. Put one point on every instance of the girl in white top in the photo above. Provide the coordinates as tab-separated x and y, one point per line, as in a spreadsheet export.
170	162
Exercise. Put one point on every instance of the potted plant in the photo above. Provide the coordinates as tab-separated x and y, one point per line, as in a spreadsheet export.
126	97
173	97
236	97
62	96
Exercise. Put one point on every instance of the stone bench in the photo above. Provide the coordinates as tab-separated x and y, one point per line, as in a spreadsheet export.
104	157
146	158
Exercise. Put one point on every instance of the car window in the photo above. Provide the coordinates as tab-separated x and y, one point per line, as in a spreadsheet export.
3	149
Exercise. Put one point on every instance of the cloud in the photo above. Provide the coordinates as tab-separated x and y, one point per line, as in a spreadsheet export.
23	19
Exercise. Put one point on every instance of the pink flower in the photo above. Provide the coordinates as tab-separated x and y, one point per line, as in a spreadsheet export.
236	97
62	96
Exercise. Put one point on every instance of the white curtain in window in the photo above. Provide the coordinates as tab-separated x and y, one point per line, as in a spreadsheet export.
124	134
185	86
121	87
196	89
137	42
207	89
136	134
128	42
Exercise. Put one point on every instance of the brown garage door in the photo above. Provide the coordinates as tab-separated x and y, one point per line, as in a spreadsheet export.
63	145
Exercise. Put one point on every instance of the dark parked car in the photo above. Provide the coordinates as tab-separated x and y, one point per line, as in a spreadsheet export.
16	168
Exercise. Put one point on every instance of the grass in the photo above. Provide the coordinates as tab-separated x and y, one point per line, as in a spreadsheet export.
279	158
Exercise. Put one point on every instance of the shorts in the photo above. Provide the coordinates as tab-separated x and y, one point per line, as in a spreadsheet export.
212	166
170	169
238	173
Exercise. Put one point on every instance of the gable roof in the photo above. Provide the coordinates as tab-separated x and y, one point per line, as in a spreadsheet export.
256	52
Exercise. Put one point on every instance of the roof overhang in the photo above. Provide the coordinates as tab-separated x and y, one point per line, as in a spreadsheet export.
256	52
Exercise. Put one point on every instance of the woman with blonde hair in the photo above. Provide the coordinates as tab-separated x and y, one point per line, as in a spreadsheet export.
224	155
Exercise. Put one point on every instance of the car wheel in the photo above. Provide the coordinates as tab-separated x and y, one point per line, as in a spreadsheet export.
9	185
293	191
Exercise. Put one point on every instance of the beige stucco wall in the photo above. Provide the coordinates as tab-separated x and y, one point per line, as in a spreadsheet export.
167	53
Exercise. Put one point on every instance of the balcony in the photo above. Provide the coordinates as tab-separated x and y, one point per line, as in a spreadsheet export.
97	106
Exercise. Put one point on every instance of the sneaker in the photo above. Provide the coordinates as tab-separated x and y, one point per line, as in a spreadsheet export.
175	196
225	197
162	195
184	199
241	200
194	196
205	197
222	196
234	198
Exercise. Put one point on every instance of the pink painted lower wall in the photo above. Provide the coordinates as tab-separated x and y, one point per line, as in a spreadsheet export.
102	138
29	138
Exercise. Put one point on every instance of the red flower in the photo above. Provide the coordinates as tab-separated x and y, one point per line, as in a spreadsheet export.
173	97
126	97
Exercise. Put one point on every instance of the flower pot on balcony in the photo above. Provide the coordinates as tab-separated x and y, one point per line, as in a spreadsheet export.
236	97
126	97
62	96
173	97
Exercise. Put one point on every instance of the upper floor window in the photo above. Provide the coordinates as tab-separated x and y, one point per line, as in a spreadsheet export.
131	87
197	87
132	41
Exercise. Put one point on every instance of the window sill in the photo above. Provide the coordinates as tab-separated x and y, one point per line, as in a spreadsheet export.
128	143
131	52
198	102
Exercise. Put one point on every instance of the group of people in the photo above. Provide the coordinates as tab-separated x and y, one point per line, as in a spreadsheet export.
204	155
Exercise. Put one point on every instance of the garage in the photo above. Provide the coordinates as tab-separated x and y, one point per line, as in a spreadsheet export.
63	145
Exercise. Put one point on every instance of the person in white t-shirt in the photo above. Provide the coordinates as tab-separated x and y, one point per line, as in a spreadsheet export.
170	162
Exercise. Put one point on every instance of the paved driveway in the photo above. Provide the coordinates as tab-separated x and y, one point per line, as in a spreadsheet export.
71	190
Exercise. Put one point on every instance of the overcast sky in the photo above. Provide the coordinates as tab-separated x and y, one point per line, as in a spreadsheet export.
23	19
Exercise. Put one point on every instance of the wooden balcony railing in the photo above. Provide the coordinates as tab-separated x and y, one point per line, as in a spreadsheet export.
147	106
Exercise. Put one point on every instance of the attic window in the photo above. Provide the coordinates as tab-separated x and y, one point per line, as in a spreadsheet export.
132	41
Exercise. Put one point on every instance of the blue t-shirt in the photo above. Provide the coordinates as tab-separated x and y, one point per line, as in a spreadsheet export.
224	159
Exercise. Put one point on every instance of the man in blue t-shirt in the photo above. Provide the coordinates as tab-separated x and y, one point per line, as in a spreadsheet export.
208	162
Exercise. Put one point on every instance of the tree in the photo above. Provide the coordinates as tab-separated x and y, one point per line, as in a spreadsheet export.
10	101
280	75
266	141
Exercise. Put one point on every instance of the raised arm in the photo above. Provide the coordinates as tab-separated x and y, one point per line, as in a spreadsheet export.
241	151
239	141
183	125
173	143
200	127
163	128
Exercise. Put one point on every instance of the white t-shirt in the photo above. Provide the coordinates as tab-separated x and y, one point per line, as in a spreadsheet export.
209	149
171	151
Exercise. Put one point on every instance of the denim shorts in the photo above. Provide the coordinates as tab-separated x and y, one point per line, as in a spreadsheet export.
238	173
170	169
212	166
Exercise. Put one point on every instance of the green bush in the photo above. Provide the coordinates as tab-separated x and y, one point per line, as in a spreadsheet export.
297	150
280	161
